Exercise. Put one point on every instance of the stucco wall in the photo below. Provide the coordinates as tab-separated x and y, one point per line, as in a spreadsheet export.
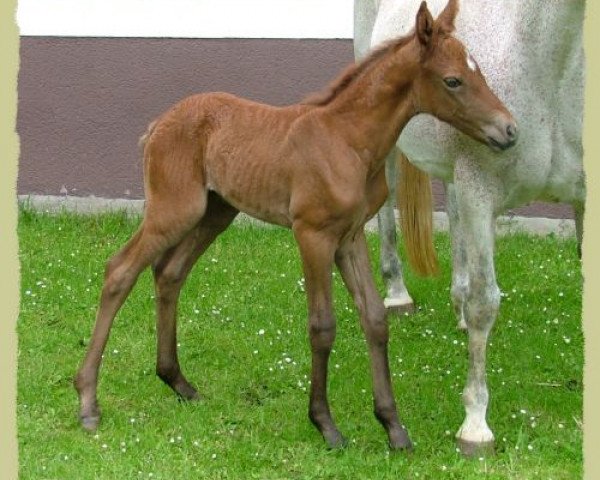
94	74
84	102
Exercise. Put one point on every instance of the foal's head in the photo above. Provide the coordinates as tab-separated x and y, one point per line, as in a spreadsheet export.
451	86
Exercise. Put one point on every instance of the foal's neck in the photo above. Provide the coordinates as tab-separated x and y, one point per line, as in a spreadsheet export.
374	108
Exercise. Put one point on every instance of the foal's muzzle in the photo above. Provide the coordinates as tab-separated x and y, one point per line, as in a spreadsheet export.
502	136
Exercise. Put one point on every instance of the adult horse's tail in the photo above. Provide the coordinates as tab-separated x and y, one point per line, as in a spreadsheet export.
414	201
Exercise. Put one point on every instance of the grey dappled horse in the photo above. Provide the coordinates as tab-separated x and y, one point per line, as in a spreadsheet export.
531	53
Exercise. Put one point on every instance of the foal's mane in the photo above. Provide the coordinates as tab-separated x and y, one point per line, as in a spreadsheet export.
353	71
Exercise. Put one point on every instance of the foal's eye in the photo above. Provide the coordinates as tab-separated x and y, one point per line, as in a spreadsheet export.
452	82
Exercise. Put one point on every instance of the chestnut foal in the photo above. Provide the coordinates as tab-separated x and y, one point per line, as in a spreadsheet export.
317	167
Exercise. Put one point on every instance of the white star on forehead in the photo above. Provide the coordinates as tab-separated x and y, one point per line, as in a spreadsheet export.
472	64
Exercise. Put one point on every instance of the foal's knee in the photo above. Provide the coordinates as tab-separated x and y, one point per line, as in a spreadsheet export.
321	330
168	278
375	324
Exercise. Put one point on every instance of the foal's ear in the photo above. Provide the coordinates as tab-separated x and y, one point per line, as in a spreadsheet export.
424	27
445	20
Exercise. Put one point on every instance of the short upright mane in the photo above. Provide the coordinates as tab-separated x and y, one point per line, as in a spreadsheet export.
353	71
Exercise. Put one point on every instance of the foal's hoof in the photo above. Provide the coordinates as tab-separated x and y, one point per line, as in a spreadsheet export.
182	388
188	394
398	307
90	423
476	449
400	442
335	440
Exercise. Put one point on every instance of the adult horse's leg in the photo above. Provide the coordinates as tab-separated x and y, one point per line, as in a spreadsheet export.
460	276
474	195
397	299
317	250
353	261
170	273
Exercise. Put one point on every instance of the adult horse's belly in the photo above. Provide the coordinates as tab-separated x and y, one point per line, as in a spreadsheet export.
425	141
520	173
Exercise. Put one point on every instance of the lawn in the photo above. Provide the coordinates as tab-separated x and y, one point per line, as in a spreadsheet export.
243	343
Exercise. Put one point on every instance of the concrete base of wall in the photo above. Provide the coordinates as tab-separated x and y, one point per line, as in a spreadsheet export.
93	205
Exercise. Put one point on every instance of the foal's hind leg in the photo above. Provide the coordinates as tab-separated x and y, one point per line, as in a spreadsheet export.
163	226
397	299
353	261
170	272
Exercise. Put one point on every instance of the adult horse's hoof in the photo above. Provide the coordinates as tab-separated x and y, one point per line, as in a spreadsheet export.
476	449
90	423
398	307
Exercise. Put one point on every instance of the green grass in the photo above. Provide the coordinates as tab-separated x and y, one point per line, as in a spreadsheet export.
252	421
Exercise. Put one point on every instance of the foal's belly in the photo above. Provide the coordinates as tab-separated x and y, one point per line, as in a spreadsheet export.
254	185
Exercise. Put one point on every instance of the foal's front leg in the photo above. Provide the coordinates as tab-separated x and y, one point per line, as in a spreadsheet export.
317	250
353	261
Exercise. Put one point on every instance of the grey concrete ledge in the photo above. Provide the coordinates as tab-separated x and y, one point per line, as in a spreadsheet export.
81	205
94	205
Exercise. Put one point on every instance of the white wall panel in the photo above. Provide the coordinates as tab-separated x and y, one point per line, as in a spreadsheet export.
187	18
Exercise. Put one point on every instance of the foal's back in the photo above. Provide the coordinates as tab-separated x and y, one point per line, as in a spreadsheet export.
261	159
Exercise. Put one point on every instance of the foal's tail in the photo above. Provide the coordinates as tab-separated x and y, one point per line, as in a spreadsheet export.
414	201
144	138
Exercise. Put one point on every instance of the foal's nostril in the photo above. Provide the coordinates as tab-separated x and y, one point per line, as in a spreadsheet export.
511	131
